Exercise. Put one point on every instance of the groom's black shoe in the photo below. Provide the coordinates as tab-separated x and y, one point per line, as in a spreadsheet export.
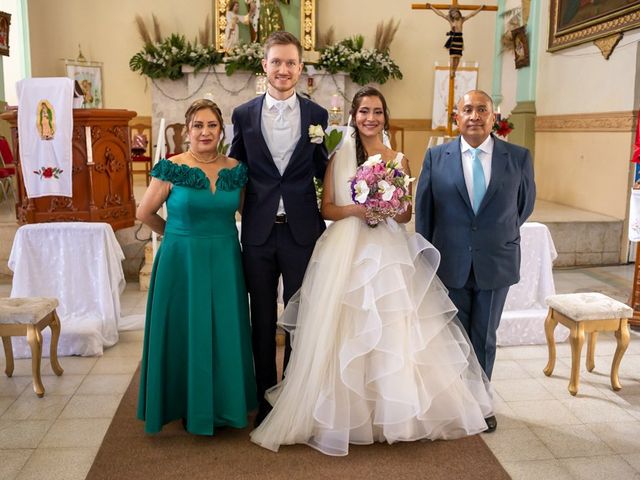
492	424
263	411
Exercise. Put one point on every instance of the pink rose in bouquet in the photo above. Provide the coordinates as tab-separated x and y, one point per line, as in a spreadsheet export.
383	188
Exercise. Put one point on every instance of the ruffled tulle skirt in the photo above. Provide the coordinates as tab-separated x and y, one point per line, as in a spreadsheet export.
378	354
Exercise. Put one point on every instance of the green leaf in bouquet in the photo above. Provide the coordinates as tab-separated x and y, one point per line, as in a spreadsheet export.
332	139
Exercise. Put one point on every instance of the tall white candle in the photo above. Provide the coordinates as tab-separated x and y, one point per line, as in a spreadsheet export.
87	134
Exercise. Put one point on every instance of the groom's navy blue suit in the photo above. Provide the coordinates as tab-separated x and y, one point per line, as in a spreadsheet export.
272	249
480	253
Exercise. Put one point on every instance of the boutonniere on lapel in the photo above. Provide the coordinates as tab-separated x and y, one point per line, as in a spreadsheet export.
316	134
330	138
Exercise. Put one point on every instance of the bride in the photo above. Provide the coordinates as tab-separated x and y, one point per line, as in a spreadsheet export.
378	353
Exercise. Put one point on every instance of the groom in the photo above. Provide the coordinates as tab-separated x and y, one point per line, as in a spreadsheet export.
473	195
280	217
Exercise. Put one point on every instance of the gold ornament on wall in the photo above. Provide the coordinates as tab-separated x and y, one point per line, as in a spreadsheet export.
306	31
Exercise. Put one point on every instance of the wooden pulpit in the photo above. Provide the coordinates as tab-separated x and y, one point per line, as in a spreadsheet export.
102	182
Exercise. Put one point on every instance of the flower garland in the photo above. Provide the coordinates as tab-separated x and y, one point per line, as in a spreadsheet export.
165	59
246	56
363	65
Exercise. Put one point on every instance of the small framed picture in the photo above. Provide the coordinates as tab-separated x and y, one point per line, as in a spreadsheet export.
89	77
5	21
521	46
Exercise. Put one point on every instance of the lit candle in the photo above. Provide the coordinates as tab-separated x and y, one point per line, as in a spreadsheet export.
498	115
336	101
87	136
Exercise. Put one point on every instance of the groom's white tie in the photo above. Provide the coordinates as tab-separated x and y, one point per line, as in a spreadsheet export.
281	121
281	127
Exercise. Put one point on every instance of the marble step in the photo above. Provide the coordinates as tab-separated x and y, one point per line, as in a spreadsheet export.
588	243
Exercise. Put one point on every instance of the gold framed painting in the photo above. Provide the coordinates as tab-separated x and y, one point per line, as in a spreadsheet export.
5	21
243	21
572	22
520	46
89	76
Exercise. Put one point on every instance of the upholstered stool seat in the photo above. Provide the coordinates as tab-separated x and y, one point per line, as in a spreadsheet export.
588	313
28	317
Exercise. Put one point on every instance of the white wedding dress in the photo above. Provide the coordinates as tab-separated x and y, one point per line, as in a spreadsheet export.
378	354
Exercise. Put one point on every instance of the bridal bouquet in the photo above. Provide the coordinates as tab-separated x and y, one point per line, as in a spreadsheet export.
383	188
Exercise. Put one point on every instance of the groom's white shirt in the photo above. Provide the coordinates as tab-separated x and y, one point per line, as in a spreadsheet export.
281	139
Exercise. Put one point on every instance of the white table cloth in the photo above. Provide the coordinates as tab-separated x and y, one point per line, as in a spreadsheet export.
80	265
525	310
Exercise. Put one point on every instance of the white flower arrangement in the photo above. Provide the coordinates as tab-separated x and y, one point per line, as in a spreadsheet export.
363	65
245	56
165	59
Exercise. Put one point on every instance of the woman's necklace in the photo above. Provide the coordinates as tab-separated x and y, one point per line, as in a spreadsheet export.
200	160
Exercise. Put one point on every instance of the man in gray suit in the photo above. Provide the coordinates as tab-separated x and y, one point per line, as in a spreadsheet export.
473	195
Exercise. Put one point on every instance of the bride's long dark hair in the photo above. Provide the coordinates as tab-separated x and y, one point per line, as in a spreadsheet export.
366	91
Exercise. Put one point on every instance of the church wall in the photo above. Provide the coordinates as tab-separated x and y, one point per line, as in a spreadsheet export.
585	164
108	34
418	44
586	170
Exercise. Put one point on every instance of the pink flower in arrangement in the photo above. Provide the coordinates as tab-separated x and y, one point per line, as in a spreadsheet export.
382	187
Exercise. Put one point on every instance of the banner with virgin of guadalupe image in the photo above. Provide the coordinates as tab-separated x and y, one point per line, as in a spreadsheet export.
45	125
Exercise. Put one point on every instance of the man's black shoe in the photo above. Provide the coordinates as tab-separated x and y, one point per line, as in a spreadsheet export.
492	424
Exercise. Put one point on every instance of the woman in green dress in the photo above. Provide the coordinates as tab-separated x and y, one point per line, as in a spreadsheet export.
196	363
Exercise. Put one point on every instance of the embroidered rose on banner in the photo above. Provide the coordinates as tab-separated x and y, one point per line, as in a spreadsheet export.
48	172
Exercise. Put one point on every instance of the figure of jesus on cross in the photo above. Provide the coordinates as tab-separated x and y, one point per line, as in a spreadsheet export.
454	43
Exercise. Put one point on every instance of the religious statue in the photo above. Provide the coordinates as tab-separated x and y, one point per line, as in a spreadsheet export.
87	91
269	18
455	44
231	32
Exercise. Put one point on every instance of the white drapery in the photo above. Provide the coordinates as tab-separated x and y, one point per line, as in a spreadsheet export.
80	265
525	310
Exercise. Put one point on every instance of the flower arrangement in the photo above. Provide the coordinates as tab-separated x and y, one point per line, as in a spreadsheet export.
246	56
503	127
383	188
363	65
165	59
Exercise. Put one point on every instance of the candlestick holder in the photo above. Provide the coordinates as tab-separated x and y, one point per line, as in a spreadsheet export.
335	116
310	86
261	83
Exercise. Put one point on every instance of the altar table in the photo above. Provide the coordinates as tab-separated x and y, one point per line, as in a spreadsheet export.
525	310
79	264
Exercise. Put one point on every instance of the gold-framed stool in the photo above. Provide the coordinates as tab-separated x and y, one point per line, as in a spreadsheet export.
28	317
588	313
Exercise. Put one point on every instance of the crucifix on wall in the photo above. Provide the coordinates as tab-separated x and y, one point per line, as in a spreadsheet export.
455	42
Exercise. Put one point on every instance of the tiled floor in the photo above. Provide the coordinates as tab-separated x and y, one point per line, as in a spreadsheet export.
543	432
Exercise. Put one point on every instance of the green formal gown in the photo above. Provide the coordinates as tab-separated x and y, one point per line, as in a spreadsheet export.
197	363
